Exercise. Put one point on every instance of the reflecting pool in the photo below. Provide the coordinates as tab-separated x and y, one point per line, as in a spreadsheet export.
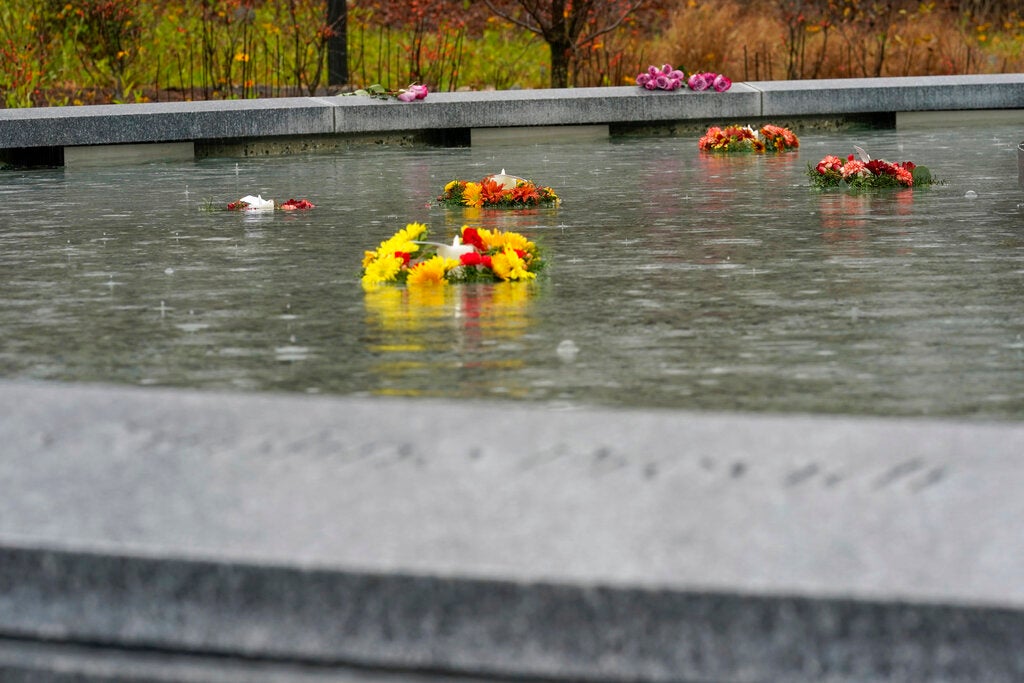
676	279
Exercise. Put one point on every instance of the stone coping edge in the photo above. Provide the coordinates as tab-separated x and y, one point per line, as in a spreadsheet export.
490	628
345	115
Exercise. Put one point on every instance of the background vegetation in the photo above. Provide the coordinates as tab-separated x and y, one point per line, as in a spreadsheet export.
55	52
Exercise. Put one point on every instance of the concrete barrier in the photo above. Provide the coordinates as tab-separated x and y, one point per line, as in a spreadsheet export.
149	531
227	127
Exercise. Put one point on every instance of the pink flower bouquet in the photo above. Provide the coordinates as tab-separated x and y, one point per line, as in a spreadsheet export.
665	78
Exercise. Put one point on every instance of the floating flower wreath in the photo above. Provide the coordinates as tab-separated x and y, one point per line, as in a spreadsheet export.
498	191
862	171
258	203
769	138
667	78
476	255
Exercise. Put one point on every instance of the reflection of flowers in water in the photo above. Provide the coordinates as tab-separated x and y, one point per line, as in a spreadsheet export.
468	334
845	217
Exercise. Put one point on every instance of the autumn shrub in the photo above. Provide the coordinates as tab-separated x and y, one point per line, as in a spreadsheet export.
105	35
30	57
797	39
90	51
445	44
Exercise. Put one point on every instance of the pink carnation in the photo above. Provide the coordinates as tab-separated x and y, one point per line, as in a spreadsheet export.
853	167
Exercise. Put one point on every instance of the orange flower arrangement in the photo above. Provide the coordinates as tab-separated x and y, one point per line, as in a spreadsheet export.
769	138
498	191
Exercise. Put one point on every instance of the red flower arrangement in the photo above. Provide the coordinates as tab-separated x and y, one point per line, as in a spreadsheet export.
258	203
297	205
865	172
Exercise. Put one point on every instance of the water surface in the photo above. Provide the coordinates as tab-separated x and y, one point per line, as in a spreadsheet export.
676	280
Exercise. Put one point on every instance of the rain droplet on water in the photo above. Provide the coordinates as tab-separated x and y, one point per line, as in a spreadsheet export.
567	350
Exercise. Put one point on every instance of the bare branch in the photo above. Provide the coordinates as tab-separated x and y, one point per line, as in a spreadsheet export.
538	29
608	29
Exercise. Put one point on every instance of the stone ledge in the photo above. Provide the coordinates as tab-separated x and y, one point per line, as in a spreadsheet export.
566	545
861	95
163	122
347	115
23	661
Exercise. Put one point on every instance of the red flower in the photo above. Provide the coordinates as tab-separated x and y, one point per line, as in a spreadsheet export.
475	259
829	163
878	167
471	236
404	256
293	204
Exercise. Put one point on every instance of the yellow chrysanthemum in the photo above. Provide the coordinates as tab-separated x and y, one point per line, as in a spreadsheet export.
403	240
515	241
491	239
496	239
384	268
369	257
471	194
431	271
507	265
451	186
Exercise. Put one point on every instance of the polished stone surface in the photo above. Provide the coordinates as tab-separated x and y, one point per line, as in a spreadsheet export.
217	121
510	540
163	122
911	93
